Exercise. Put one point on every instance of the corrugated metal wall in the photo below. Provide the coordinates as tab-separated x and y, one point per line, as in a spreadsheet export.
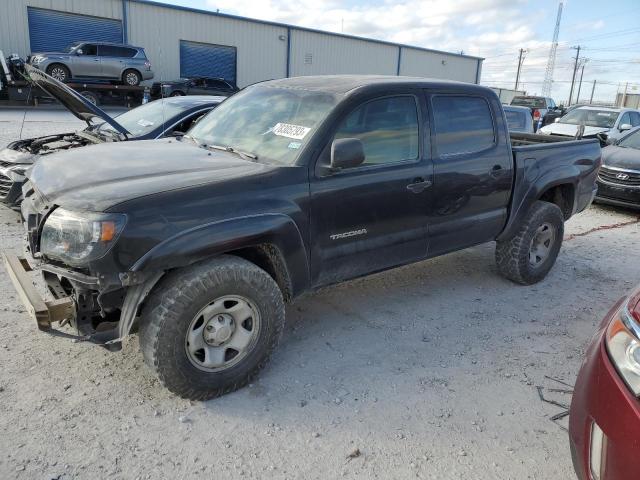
316	54
14	30
261	48
261	53
420	63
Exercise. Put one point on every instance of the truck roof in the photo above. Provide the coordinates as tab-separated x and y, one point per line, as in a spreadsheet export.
342	84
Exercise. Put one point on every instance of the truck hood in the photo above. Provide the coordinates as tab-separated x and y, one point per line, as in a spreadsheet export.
98	177
570	130
621	157
72	100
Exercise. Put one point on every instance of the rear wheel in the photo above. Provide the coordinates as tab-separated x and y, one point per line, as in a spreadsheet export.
177	93
59	72
208	329
528	256
131	77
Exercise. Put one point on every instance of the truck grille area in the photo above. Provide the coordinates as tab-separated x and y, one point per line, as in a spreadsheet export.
5	185
626	178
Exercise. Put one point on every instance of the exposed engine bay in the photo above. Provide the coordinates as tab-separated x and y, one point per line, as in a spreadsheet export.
53	143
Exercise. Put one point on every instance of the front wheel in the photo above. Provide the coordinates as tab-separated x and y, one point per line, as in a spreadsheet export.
59	72
528	256
208	329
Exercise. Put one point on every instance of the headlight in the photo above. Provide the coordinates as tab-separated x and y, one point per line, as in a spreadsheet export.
77	238
623	344
37	59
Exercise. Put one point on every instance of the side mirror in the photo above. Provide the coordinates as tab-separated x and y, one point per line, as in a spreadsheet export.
624	127
79	51
556	120
346	153
176	134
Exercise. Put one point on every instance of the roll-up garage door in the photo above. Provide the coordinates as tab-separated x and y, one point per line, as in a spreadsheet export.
54	31
206	60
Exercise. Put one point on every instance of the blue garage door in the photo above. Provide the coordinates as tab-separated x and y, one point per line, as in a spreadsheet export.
205	60
51	31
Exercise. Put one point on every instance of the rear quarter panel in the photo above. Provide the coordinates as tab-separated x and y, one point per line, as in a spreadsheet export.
544	166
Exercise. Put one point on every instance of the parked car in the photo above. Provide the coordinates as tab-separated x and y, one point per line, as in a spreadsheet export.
161	118
287	186
193	86
619	176
518	119
604	421
96	60
598	122
539	107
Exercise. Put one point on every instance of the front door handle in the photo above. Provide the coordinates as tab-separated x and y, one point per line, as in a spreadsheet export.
418	185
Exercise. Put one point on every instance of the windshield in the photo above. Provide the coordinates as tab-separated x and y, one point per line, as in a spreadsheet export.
591	118
531	102
271	123
146	118
631	141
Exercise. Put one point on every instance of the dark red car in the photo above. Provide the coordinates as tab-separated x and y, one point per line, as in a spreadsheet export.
604	426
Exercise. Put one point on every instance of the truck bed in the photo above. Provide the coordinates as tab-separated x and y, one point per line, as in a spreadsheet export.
522	139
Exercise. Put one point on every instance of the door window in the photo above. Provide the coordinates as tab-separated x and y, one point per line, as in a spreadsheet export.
112	51
88	49
388	129
462	124
625	119
635	118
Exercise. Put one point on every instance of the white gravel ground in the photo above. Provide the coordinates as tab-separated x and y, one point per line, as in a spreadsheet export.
428	371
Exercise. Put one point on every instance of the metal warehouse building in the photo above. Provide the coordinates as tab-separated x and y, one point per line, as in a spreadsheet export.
183	42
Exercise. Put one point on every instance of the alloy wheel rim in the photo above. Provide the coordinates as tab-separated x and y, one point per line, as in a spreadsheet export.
541	244
132	78
222	333
59	74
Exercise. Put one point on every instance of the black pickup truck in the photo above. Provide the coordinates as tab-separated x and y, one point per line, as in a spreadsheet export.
287	186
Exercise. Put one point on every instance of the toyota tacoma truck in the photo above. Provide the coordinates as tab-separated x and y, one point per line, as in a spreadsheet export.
197	243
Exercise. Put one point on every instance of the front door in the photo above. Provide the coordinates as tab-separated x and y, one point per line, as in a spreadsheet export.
373	216
87	63
473	172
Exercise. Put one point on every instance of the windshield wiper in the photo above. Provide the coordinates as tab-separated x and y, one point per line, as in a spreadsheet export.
244	155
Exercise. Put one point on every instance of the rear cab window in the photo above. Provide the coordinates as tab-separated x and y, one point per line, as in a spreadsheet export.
462	124
516	120
531	102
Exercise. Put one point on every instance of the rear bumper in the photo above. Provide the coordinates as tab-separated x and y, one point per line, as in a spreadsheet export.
600	397
147	74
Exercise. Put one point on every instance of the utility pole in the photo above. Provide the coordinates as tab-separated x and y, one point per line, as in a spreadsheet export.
520	60
584	62
593	89
575	69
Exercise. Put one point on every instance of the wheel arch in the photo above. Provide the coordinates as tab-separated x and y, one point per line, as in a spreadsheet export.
271	241
557	186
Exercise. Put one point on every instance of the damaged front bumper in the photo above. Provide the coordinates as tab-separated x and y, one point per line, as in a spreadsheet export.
63	308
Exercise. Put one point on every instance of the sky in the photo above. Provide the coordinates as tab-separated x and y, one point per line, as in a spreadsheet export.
608	33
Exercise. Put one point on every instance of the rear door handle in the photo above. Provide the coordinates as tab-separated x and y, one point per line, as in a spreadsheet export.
418	185
497	171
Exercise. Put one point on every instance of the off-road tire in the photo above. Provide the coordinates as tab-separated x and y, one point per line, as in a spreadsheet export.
512	255
63	68
173	304
130	73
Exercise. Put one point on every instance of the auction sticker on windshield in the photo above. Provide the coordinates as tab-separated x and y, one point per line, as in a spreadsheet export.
288	130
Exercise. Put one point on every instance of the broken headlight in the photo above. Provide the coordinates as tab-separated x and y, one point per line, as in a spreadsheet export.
77	238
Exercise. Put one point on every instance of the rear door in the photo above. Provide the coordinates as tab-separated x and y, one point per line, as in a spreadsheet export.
472	171
114	59
373	216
